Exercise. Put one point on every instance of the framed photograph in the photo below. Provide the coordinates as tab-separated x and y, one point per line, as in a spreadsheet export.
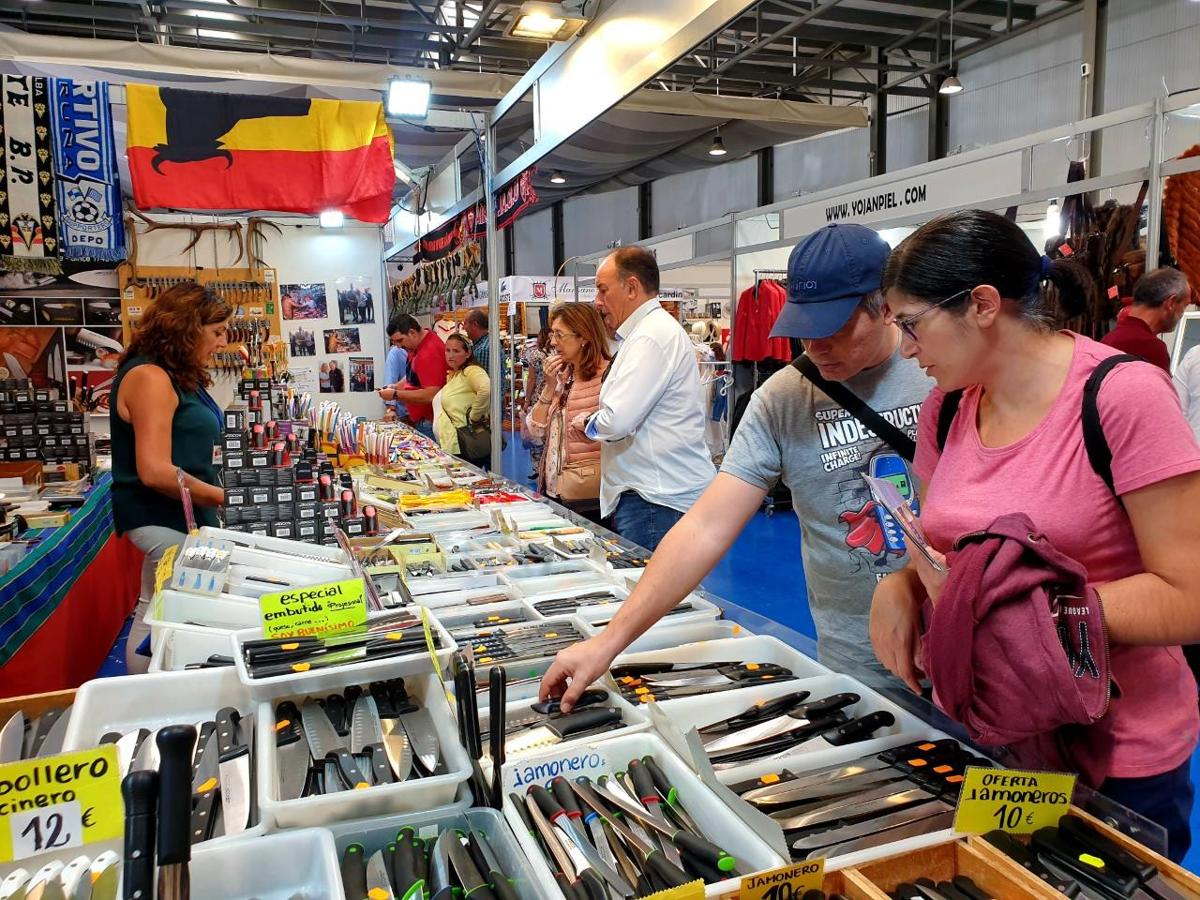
342	340
303	301
332	377
302	342
362	374
356	303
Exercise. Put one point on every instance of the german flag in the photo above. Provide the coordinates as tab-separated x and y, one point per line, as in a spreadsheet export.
203	150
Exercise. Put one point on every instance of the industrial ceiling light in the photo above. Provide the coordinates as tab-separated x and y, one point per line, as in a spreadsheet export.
1053	226
408	97
950	84
718	146
558	178
332	218
544	22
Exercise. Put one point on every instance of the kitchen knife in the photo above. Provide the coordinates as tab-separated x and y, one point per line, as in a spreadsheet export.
551	841
324	744
139	790
590	885
404	864
44	885
859	729
439	867
879	802
939	822
14	883
76	880
338	714
423	738
500	884
41	729
554	813
395	739
292	760
779	747
758	712
12	738
205	788
379	881
366	737
175	744
856	830
1075	829
143	755
234	766
668	792
711	675
127	747
775	788
798	717
644	792
354	871
553	707
842	787
105	874
563	728
1093	872
469	876
53	742
497	700
1024	857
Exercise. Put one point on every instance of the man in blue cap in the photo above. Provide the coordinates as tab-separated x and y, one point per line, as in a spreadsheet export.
796	431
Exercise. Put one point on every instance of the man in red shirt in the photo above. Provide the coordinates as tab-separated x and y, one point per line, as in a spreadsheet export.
426	373
1160	299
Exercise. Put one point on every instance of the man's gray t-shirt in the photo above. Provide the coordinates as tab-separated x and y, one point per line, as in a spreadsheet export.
792	430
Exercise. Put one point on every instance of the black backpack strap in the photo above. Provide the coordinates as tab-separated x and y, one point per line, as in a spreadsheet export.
1094	441
946	416
857	407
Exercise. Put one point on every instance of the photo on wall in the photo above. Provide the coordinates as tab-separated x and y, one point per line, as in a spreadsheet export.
79	278
303	301
103	311
34	353
332	377
342	340
362	374
302	342
93	355
59	310
356	303
16	311
303	378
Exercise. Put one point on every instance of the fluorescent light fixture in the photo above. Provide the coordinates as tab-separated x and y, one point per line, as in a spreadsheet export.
214	14
332	218
408	97
558	178
950	85
402	171
544	22
718	146
219	35
1052	227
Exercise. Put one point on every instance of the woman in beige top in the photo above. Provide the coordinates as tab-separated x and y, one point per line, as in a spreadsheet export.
574	372
464	398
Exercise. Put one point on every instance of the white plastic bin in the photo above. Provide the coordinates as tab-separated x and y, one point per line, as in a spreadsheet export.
187	645
301	863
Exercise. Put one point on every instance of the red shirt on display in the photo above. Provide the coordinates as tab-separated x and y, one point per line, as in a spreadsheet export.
428	364
1132	335
757	309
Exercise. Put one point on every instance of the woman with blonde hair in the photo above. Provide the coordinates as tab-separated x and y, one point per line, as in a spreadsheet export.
464	398
570	464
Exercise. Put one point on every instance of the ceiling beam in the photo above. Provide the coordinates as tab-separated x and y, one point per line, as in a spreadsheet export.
772	77
476	29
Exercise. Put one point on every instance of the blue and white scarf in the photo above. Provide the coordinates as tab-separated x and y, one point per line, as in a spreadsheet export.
86	180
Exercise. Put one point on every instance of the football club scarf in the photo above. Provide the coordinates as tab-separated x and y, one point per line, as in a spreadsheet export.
28	229
204	150
86	180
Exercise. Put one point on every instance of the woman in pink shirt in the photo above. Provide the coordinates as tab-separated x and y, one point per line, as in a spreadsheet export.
974	302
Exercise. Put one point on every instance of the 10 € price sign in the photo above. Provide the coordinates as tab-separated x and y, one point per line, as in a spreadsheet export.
60	802
785	883
1011	800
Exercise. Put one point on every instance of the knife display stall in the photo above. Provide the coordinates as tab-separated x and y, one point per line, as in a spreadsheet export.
380	762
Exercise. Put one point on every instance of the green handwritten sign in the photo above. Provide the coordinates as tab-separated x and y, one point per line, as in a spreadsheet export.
314	610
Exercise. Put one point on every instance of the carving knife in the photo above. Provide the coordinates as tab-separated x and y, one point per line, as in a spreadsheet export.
53	741
556	815
562	728
12	738
500	883
872	803
143	751
439	867
469	876
644	791
757	712
205	786
292	760
324	743
395	738
800	716
366	737
1076	830
379	882
105	873
234	767
939	822
40	730
856	830
174	850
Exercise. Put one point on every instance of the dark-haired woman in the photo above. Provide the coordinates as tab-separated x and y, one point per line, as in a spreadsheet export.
972	298
164	427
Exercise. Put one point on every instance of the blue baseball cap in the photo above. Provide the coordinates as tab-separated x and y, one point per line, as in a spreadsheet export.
828	274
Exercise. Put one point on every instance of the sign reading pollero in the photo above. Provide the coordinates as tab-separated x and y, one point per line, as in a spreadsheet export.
315	610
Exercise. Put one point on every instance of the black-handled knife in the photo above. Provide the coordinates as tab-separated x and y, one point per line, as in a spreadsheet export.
669	793
859	729
472	880
354	872
175	744
498	726
404	862
495	872
139	790
1092	872
1147	873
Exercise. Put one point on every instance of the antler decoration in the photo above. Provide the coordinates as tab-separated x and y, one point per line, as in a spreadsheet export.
256	240
234	229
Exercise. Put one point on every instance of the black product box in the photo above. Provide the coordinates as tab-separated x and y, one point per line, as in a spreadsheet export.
285	494
81	440
13	454
41	395
306	493
251	514
329	510
50	441
235	461
42	429
21	397
330	539
354	526
30	453
259	459
26	430
285	477
233	441
58	406
75	418
308	510
258	496
308	530
283	529
261	528
285	511
233	514
254	417
11	430
246	478
235	527
235	419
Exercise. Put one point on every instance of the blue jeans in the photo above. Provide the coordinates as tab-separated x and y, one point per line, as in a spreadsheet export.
425	426
646	524
1165	799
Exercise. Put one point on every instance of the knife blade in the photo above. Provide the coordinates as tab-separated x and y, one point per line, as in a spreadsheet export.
205	787
105	873
644	791
422	737
439	868
832	789
75	879
366	736
325	744
469	876
145	753
495	872
379	882
234	770
14	883
799	716
126	748
778	791
557	730
41	728
939	822
871	803
12	738
556	815
53	741
292	760
856	830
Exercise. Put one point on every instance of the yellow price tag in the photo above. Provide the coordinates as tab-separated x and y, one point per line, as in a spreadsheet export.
784	883
165	568
1012	800
693	890
60	802
317	609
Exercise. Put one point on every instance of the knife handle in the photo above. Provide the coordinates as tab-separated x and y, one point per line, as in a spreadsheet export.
203	807
175	744
593	886
354	872
705	850
1049	841
498	726
227	733
287	724
584	720
1082	833
347	769
206	732
643	783
381	769
670	874
755	671
546	803
820	708
859	729
920	749
404	862
968	888
139	790
336	710
768	709
383	699
662	784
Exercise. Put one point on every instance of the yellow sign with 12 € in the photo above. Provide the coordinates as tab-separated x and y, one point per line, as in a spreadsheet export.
59	802
785	883
1011	800
315	610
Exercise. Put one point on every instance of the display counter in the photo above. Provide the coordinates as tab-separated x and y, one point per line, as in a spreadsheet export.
63	605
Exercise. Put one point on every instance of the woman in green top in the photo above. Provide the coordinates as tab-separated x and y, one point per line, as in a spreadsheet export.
464	399
164	428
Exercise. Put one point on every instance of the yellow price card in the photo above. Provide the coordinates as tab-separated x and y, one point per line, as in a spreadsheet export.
1012	800
165	568
60	802
784	883
693	890
315	610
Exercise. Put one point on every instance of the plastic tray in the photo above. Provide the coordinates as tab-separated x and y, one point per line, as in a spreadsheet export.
375	833
604	757
225	613
568	584
409	796
277	545
668	633
431	590
301	863
702	610
186	645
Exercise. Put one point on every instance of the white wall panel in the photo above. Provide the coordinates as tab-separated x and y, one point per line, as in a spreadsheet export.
908	138
593	221
690	198
814	164
534	244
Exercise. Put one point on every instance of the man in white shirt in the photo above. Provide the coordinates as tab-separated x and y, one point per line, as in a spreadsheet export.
1187	372
653	460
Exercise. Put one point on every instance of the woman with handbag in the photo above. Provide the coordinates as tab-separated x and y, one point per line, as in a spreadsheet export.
570	464
461	425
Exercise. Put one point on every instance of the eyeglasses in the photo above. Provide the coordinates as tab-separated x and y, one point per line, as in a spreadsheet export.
905	323
559	335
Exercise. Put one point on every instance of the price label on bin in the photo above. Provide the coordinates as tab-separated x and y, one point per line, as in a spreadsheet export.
315	610
784	883
1011	800
60	802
